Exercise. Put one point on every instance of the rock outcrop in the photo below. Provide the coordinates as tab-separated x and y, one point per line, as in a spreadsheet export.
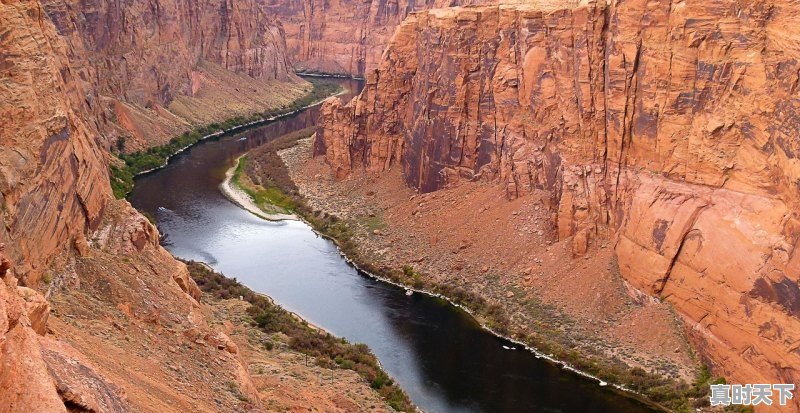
344	37
53	176
152	70
668	127
24	380
39	373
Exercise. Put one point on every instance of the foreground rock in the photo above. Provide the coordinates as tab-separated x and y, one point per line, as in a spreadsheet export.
666	130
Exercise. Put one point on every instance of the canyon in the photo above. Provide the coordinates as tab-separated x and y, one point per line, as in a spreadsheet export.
653	138
152	71
344	37
642	152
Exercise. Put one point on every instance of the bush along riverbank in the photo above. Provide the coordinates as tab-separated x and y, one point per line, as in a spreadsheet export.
326	350
266	167
129	165
262	175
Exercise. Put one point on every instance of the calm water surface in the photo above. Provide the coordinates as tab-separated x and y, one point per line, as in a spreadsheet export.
436	352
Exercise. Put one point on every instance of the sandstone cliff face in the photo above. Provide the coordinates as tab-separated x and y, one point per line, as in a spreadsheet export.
67	237
668	127
344	37
153	70
53	178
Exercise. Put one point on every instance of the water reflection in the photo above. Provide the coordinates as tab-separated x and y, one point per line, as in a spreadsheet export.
438	354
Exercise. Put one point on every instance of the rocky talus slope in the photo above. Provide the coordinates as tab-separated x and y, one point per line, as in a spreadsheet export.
153	70
667	128
344	37
94	314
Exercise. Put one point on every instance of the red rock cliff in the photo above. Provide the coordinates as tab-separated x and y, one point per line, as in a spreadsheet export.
344	36
53	176
157	69
669	127
54	191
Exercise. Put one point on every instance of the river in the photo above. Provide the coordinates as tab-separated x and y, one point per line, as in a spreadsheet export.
437	353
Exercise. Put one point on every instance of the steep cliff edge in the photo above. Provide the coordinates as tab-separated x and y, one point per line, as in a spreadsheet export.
54	192
344	37
54	182
666	127
155	70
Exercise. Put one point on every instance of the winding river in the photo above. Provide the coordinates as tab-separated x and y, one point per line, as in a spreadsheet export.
436	352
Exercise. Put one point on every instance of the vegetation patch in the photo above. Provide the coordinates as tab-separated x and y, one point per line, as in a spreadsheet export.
123	172
263	176
328	351
269	199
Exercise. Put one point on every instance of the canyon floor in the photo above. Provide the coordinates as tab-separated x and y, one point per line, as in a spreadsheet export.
463	236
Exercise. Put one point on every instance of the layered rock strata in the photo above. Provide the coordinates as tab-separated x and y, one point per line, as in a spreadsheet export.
53	178
668	127
153	70
344	37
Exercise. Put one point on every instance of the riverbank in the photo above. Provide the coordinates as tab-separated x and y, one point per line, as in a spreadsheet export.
259	182
128	166
398	236
293	364
279	327
333	75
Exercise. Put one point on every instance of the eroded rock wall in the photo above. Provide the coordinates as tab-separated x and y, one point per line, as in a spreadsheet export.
53	176
668	127
344	37
157	69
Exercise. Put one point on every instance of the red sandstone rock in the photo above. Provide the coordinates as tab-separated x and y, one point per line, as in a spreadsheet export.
669	127
54	178
78	382
221	341
37	308
344	37
152	70
24	380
